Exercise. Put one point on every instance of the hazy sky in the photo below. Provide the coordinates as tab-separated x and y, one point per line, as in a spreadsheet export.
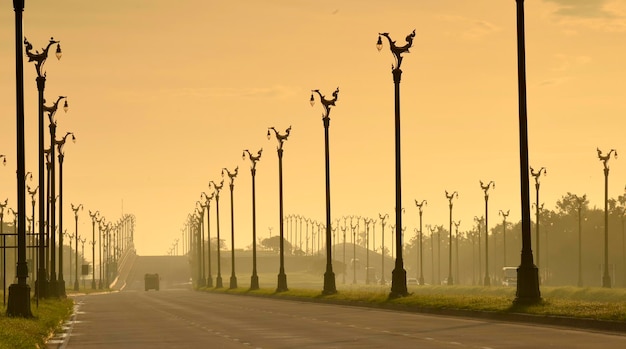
164	94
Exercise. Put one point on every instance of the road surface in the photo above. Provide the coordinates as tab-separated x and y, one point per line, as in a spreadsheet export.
177	317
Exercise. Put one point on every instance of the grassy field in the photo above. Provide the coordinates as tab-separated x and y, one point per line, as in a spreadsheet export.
18	333
573	302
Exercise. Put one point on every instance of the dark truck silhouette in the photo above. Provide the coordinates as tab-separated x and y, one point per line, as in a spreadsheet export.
151	281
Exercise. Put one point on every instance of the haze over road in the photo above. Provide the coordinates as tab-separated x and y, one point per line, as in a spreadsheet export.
178	317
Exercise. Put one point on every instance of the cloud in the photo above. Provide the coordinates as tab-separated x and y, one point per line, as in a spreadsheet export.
472	28
583	8
600	15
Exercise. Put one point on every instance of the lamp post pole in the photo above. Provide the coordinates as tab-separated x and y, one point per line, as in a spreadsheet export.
581	201
101	223
420	207
432	252
203	206
504	216
383	218
75	209
254	279
82	253
353	228
60	143
54	288
217	188
209	280
398	280
367	249
281	138
450	197
485	189
232	176
39	59
93	247
536	176
456	237
19	293
606	279
329	275
32	194
527	272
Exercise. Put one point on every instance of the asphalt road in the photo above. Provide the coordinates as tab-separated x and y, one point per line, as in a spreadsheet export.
177	317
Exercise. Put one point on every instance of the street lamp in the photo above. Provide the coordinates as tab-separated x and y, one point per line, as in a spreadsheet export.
232	176
217	188
82	253
382	250
504	216
60	143
420	206
456	237
485	189
536	176
75	209
606	279
281	138
432	251
367	249
527	273
203	206
93	247
209	281
398	279
101	224
254	280
54	288
329	275
353	228
581	201
450	197
39	59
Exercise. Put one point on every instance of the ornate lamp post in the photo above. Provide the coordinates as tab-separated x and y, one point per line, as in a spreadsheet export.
60	143
456	237
398	282
254	280
32	194
382	250
420	206
485	189
354	228
606	279
203	207
232	176
54	288
281	138
75	209
329	275
538	207
450	197
527	273
432	251
93	247
504	216
581	201
101	225
209	280
217	188
39	59
367	249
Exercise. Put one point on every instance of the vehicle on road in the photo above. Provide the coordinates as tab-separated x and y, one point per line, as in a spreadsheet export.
151	281
509	276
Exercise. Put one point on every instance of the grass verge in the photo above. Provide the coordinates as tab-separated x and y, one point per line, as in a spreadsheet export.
18	333
559	302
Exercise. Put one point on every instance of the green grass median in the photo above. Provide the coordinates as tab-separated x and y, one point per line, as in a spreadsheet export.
18	333
562	302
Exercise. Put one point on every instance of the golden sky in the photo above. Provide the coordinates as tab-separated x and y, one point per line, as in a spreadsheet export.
164	94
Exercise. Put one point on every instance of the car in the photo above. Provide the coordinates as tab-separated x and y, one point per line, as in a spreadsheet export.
411	281
151	281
